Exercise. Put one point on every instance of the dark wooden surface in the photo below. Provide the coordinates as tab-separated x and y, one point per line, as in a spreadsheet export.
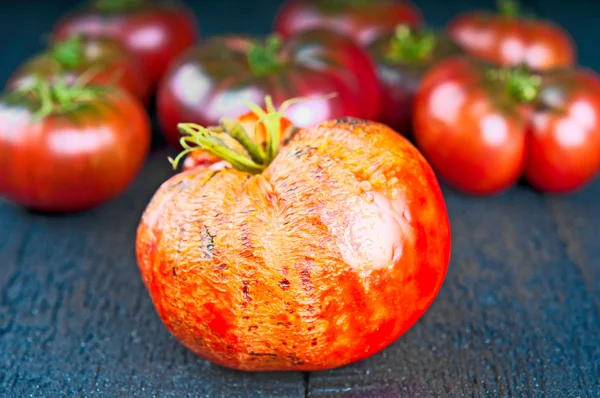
518	315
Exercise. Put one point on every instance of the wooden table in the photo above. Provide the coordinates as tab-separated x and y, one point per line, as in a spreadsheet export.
518	315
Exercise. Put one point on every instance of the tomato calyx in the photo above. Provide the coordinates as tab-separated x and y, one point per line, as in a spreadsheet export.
257	156
264	59
337	4
509	8
68	54
117	5
520	83
56	97
409	46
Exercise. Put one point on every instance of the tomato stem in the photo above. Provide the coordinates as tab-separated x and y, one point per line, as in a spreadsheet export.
264	58
408	46
210	140
509	8
68	54
257	157
56	97
117	5
519	83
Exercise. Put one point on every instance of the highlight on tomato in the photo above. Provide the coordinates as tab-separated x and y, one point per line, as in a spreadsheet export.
214	79
482	128
69	147
154	31
512	39
401	58
305	255
363	20
98	60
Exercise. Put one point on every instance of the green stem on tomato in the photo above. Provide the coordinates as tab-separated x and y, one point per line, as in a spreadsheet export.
263	59
408	46
117	5
57	96
209	140
68	54
509	8
256	159
520	83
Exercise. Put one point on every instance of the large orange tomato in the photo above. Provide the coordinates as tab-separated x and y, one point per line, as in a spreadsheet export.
307	256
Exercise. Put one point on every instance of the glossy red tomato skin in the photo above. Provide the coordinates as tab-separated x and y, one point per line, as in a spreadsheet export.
400	80
104	62
155	32
210	81
564	149
364	22
541	45
72	162
465	132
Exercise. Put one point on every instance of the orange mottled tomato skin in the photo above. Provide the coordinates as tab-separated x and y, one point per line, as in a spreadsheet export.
324	259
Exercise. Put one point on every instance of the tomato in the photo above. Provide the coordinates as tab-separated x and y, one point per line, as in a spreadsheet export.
99	61
320	253
510	40
213	80
564	150
154	31
402	57
363	20
69	148
482	131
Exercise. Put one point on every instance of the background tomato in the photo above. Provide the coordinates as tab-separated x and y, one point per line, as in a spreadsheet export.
470	129
212	80
481	130
402	57
72	153
96	60
363	20
154	31
508	39
564	149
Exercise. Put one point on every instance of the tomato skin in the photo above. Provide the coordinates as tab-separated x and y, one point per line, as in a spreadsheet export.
155	31
507	41
464	133
74	161
400	79
210	81
279	271
564	151
104	60
363	21
482	141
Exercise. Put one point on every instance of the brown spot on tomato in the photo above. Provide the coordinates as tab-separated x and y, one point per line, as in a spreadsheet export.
245	294
284	284
208	245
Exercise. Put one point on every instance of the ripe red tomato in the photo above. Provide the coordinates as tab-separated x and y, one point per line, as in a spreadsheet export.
402	57
68	148
363	20
99	61
155	31
213	80
316	257
483	129
509	40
